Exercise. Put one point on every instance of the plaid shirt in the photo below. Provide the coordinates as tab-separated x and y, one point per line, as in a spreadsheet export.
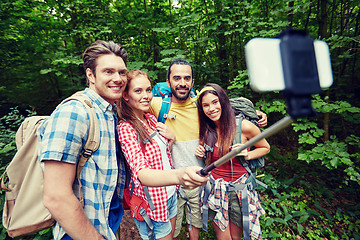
62	137
219	201
149	157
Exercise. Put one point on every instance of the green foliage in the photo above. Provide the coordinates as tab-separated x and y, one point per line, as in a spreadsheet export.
42	42
8	126
293	211
335	152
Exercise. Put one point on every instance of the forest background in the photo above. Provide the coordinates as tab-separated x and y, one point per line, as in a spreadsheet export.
313	170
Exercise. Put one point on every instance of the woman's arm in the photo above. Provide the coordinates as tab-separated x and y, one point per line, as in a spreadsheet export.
248	131
187	177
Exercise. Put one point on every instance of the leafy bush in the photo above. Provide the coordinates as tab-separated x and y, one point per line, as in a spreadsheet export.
8	126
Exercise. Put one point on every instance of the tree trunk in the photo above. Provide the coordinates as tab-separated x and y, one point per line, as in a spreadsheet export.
222	49
291	13
323	34
323	20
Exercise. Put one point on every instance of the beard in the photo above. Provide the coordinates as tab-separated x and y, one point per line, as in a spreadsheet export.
178	96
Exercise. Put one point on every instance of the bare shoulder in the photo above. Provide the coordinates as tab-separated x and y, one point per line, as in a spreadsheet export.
249	128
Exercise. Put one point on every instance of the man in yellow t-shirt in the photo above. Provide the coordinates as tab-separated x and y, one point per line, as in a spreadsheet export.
186	128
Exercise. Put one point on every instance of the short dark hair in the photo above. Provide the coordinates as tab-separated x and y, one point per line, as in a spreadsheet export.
179	61
100	48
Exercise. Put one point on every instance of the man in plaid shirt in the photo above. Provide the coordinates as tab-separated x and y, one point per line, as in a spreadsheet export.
62	137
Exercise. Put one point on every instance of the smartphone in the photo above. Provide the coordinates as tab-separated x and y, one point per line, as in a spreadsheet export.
265	68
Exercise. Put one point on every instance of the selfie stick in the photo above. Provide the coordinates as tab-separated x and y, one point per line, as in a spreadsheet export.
301	80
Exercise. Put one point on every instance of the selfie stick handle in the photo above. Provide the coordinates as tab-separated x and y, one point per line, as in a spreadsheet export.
278	126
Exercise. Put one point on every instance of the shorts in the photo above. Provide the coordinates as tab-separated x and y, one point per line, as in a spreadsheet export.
196	219
161	229
234	210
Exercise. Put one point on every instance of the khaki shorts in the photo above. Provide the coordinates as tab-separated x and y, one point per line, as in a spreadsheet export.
196	220
234	210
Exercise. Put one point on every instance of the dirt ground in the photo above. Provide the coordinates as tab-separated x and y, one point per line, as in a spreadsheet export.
128	229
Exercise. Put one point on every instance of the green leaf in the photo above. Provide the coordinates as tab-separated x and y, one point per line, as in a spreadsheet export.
280	220
46	71
299	213
334	162
288	217
300	229
269	221
313	212
303	218
273	235
302	156
347	161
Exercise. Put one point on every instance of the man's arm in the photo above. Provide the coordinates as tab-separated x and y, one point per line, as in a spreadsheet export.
263	118
63	205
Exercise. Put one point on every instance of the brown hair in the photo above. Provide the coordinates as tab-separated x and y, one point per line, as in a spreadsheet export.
100	48
207	133
126	112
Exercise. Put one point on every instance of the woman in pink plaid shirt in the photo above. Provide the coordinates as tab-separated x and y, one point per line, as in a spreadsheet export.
146	145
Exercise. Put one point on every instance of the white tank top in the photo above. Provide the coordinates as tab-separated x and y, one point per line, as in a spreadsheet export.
165	160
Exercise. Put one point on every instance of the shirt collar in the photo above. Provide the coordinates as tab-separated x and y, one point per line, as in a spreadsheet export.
98	100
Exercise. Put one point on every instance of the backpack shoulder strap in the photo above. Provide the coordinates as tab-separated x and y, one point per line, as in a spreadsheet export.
93	140
237	139
164	110
238	120
252	173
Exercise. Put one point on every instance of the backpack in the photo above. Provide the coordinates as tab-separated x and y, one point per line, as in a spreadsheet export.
162	90
247	112
24	212
244	109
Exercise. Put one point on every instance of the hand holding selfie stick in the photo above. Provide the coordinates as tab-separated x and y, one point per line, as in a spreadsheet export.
300	63
283	123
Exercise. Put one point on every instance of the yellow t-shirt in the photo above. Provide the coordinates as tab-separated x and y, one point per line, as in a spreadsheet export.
186	129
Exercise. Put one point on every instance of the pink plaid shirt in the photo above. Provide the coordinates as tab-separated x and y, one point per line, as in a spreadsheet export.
149	157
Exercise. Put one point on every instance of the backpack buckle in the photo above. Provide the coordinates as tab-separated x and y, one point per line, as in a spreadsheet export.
173	116
87	153
208	148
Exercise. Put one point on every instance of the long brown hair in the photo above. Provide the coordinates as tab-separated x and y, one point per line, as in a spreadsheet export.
208	134
126	112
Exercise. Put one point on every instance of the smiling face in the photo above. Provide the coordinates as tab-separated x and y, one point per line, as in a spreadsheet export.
211	106
139	95
180	81
110	78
